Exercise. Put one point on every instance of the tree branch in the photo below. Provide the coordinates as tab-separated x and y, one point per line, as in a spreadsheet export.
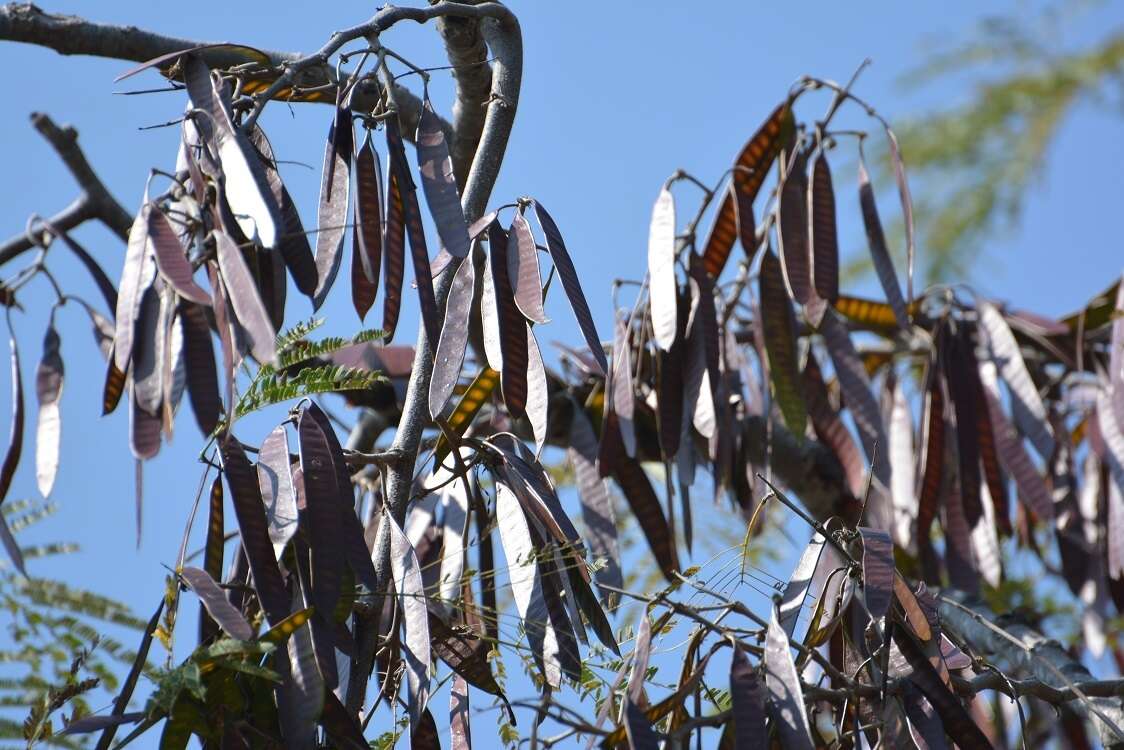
468	54
71	35
1030	652
94	201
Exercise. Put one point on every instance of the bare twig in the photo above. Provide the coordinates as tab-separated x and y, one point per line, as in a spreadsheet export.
93	202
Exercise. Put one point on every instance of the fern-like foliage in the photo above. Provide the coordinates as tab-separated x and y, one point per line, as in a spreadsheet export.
272	387
287	380
56	658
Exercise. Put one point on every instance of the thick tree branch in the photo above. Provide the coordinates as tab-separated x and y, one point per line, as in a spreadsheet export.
468	54
94	201
71	35
506	42
1029	652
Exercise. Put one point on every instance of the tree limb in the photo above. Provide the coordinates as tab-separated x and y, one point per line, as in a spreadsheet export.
94	201
1030	652
468	54
72	35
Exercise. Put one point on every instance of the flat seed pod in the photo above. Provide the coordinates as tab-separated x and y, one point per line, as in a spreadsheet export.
526	585
903	480
479	391
246	497
273	285
620	389
465	652
459	715
825	243
783	683
571	285
301	693
597	506
411	602
878	570
113	386
363	292
829	427
671	383
293	242
202	374
440	184
213	553
322	497
350	538
148	345
538	392
792	223
455	502
275	477
779	327
750	170
1026	404
342	728
698	404
244	298
449	359
171	260
512	329
419	254
907	207
957	722
932	459
663	290
985	542
867	314
490	318
855	384
15	449
130	289
226	337
876	238
645	505
218	607
246	189
331	215
369	209
523	269
961	363
144	431
366	247
48	390
796	590
394	257
1032	489
748	697
705	322
641	652
1113	456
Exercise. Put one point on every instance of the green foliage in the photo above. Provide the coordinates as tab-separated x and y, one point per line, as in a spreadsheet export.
272	387
972	163
58	653
288	380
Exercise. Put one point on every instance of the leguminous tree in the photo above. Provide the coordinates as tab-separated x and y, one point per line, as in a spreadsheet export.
927	440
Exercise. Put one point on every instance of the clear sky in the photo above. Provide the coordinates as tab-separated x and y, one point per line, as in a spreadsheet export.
616	96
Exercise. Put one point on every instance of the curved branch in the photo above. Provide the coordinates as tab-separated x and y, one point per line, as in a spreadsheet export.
72	35
468	54
1030	652
94	201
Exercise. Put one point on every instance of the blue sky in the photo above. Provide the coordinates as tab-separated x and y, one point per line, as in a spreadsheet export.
616	96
